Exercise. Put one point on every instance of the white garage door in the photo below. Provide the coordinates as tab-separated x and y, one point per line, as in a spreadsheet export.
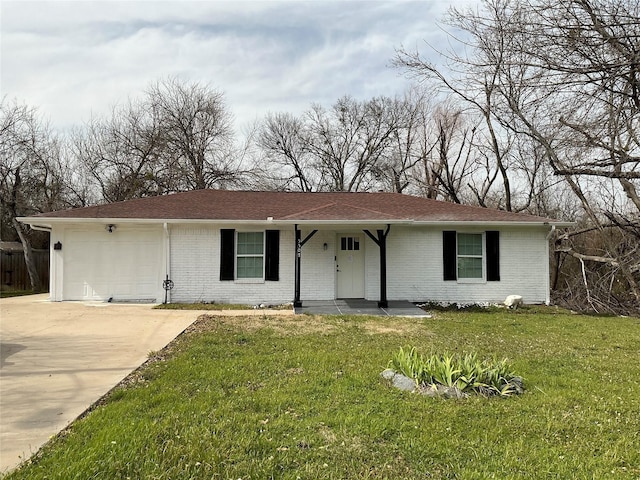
123	265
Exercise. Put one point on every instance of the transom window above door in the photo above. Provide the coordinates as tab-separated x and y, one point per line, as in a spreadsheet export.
349	243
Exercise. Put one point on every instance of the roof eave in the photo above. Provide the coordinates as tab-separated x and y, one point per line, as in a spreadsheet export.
48	222
496	223
51	221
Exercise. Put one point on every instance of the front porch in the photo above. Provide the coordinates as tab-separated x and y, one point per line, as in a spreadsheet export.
350	272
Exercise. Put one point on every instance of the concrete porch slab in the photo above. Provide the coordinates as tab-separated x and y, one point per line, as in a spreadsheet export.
358	306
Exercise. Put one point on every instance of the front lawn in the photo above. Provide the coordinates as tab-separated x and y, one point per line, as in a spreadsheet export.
302	397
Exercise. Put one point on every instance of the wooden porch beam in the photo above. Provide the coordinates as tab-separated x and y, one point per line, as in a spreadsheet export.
299	244
381	241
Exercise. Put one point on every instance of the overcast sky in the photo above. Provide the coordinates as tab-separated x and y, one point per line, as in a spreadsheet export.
75	59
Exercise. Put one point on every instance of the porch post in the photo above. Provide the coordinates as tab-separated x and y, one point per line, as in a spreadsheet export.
381	241
383	269
299	244
296	298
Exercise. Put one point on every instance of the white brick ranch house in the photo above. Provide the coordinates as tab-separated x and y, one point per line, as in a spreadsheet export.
272	247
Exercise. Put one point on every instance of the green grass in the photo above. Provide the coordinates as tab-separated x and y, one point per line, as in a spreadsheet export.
302	397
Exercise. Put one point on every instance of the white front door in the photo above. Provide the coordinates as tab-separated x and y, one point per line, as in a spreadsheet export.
350	266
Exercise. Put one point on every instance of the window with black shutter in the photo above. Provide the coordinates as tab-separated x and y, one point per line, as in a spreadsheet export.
249	255
449	255
272	260
227	254
493	256
466	258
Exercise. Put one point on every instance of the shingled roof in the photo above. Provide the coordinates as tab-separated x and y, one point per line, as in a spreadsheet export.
289	207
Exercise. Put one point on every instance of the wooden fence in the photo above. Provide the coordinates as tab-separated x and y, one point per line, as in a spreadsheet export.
13	270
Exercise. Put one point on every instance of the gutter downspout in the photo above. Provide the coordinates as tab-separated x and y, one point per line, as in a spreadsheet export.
167	266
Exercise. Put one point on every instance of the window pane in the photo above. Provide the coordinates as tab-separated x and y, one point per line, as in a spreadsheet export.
469	244
250	243
250	267
469	267
343	243
356	243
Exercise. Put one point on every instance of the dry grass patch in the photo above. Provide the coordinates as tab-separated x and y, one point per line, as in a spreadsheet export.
280	325
296	325
395	326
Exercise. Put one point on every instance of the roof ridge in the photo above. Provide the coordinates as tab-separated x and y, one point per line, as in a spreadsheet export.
309	210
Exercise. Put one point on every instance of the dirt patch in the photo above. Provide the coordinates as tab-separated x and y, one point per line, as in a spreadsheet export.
281	325
395	327
327	434
307	325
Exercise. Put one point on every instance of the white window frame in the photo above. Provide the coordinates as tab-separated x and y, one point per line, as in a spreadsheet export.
482	279
356	241
247	255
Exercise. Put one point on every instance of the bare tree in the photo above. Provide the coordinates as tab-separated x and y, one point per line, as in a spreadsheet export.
283	139
564	75
123	154
398	169
196	129
476	88
452	161
178	136
352	146
32	174
349	140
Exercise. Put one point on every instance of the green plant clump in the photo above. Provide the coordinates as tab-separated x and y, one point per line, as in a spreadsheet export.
468	372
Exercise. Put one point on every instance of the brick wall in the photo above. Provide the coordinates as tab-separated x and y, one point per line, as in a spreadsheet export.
414	268
195	270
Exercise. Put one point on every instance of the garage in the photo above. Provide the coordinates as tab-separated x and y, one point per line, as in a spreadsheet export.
122	265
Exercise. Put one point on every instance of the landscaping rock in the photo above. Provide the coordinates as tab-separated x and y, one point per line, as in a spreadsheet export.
452	392
518	385
432	390
428	390
388	374
403	383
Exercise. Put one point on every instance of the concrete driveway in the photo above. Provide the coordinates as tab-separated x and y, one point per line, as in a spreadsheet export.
59	358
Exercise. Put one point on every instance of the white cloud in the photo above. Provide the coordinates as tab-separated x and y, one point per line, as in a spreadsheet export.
75	59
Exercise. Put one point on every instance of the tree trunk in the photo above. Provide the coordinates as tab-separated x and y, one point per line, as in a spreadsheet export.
34	278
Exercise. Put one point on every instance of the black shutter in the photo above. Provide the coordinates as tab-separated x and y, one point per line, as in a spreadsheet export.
449	255
493	256
272	260
227	253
